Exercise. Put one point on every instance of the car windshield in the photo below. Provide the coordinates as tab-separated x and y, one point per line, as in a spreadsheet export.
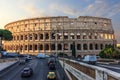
26	70
52	74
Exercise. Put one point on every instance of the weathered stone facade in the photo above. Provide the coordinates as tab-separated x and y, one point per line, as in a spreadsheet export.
57	34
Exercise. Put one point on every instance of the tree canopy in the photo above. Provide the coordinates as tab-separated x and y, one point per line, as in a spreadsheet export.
5	34
109	52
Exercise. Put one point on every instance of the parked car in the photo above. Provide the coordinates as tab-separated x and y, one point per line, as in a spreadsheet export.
91	59
51	76
27	72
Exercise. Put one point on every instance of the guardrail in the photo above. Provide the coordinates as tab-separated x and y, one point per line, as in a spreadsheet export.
83	71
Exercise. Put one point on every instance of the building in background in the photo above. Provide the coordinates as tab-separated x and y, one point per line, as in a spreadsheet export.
57	34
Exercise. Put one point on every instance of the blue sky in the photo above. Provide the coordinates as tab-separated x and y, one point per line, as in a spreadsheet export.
12	10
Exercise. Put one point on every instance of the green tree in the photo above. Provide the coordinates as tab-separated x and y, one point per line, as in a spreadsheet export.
5	34
109	52
118	47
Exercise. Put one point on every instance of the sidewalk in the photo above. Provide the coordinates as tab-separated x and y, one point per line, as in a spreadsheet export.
6	64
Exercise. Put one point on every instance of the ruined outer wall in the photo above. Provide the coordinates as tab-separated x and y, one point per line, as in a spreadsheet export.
57	34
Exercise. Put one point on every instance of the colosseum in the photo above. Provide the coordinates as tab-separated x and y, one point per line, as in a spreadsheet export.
56	34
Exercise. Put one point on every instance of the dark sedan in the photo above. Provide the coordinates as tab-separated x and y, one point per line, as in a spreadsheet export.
52	66
26	72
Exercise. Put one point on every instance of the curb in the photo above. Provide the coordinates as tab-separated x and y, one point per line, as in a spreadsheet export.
2	72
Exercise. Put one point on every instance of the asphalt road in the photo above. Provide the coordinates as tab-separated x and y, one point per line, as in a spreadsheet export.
113	67
39	67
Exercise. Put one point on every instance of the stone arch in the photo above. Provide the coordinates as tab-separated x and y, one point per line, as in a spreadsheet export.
59	47
96	46
41	36
26	46
35	46
101	46
91	46
35	36
21	37
84	35
90	35
52	35
85	46
78	35
26	37
65	35
18	37
30	47
30	36
65	46
46	36
72	35
78	46
46	47
52	46
40	47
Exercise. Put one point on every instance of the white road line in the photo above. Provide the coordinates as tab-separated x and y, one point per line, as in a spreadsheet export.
110	67
58	75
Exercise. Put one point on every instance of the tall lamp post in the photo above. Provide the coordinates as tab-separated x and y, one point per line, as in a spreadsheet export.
63	47
57	34
73	50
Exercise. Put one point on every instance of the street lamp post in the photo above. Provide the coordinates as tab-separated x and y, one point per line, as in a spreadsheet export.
63	47
63	52
63	77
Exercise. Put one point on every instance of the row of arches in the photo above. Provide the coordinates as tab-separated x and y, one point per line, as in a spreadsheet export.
58	46
53	35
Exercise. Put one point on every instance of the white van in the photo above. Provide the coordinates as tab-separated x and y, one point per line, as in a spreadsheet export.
91	59
41	55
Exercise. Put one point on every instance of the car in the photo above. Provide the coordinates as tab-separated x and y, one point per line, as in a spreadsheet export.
52	66
47	56
51	76
41	56
29	57
51	60
22	61
27	72
90	59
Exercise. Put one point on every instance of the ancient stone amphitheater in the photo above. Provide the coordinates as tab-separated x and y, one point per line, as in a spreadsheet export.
57	34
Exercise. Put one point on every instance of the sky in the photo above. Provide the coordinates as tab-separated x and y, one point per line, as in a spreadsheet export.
13	10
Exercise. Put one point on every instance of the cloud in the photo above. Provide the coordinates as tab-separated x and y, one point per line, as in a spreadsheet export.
32	10
115	9
100	8
64	9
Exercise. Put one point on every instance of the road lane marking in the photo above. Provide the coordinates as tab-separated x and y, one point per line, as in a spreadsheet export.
58	75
